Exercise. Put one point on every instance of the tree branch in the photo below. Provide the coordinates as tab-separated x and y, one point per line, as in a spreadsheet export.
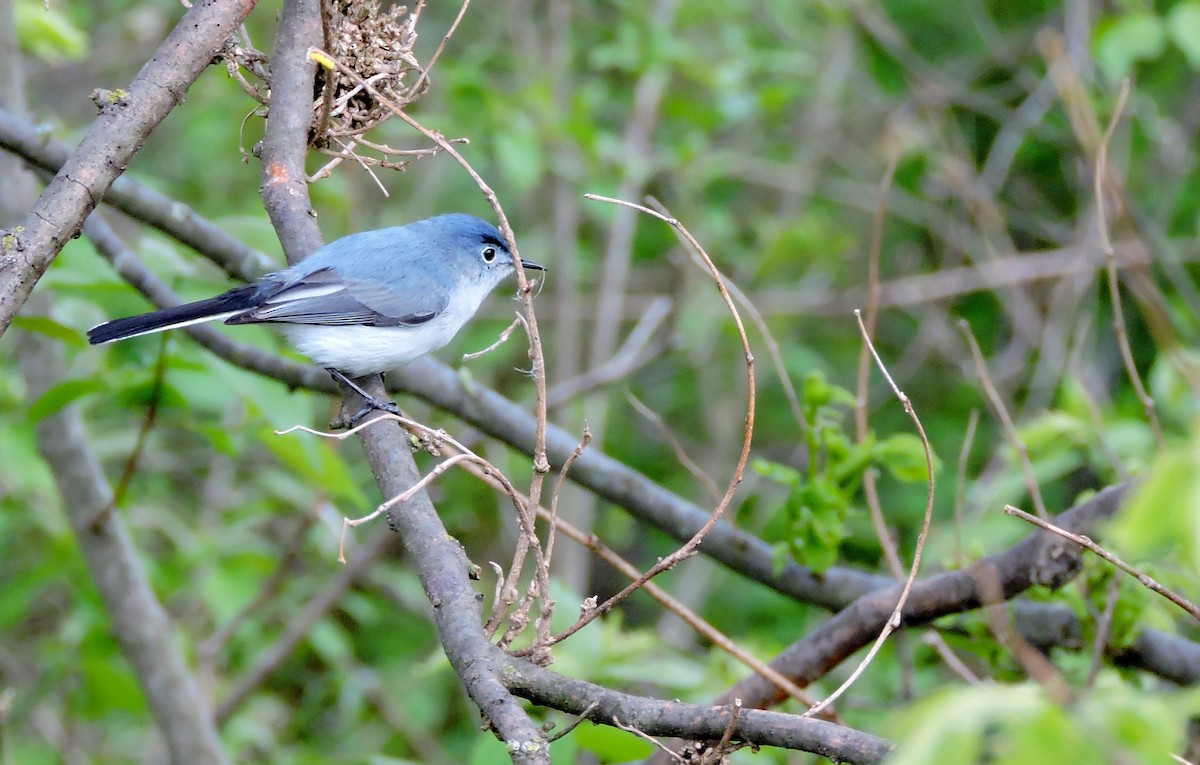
32	143
125	119
1040	559
693	721
285	143
138	620
443	569
440	562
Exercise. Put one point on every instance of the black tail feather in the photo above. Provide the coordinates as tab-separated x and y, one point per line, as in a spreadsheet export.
238	299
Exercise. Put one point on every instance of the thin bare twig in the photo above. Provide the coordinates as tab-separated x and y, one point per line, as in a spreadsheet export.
651	739
1010	429
1146	581
689	547
632	355
543	625
574	723
1110	258
960	482
935	641
673	441
210	646
499	340
893	621
1000	621
404	496
424	77
861	426
1103	630
438	436
717	755
130	470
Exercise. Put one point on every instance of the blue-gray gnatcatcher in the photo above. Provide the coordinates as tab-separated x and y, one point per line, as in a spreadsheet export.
365	303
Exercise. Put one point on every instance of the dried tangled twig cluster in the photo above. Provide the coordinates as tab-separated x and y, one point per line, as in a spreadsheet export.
374	43
377	45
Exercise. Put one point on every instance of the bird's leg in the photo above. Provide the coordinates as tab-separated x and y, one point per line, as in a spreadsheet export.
372	402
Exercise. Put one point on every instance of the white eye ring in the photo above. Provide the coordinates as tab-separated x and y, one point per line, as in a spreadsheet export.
489	254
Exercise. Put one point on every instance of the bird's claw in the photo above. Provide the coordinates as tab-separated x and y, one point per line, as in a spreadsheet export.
374	404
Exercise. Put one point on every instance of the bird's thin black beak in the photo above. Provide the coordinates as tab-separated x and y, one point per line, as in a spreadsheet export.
529	264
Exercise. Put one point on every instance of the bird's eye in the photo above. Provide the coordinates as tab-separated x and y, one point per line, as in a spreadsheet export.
489	254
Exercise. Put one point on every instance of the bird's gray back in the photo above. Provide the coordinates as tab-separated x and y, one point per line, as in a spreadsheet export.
444	245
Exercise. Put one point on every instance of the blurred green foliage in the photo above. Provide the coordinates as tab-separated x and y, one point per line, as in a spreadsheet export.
775	123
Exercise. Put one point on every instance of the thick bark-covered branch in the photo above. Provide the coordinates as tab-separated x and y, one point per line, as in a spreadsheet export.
125	119
138	620
441	564
285	143
1042	558
444	571
657	717
170	216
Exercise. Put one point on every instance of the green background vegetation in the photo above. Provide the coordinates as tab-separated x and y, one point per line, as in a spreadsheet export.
776	123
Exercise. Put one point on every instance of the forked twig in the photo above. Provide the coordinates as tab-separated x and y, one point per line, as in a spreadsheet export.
574	723
648	737
718	754
499	340
404	496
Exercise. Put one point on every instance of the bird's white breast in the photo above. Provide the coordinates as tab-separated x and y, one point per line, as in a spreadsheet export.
360	350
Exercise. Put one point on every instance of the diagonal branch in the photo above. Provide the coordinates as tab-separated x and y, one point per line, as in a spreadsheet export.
1040	559
125	119
693	721
170	216
441	564
444	569
138	620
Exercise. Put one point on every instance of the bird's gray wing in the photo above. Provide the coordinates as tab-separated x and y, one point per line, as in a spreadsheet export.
324	297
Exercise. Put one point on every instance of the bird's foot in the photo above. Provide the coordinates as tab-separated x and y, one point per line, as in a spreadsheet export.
372	403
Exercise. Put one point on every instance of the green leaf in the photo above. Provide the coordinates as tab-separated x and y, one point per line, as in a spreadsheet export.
44	325
1163	513
53	400
903	455
1183	27
47	33
612	745
975	724
781	474
331	642
519	154
143	393
1128	40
